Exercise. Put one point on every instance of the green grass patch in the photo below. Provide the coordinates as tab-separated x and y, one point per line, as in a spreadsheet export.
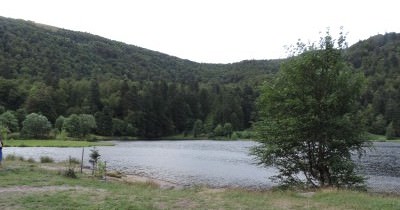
32	187
376	137
53	143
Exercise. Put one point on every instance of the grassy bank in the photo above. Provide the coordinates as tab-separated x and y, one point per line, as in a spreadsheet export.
53	143
29	186
381	138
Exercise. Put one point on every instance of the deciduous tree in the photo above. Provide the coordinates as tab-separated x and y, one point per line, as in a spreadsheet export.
310	122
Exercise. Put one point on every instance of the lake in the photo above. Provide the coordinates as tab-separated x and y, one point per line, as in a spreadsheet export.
213	163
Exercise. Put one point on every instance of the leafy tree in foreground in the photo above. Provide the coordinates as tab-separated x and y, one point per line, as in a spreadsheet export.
310	123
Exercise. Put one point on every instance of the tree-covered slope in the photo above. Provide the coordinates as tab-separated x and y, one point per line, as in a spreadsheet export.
128	89
57	72
34	50
379	58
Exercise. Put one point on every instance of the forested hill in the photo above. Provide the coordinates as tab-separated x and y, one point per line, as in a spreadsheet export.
128	89
134	91
379	58
48	53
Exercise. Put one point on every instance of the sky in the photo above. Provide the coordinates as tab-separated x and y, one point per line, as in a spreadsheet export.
213	31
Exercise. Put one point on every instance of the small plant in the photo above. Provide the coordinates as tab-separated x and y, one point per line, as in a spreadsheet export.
70	172
74	161
94	158
101	169
46	159
31	160
11	157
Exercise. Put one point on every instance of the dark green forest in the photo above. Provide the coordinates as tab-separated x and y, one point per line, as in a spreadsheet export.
132	91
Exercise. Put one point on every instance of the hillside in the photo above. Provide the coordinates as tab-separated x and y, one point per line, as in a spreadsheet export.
47	53
130	90
59	72
378	57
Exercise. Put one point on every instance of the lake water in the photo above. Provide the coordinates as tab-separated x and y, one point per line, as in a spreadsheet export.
213	163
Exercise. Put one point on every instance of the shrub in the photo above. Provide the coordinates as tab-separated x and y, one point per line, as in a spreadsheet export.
11	157
70	173
8	120
390	132
36	126
46	159
79	125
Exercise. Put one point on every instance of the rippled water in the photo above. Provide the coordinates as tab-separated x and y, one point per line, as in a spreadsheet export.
213	163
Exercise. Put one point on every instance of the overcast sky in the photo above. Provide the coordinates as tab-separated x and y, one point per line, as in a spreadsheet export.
212	31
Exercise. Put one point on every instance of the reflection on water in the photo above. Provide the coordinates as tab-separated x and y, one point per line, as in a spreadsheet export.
213	163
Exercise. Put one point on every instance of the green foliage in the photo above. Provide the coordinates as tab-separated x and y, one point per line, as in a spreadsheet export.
72	125
36	126
310	121
390	132
40	100
119	127
197	128
104	122
46	159
378	125
54	143
59	124
8	120
94	158
79	125
219	130
60	72
88	124
228	129
378	58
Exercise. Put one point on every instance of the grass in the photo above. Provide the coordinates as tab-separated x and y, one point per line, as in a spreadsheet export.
376	137
31	187
53	143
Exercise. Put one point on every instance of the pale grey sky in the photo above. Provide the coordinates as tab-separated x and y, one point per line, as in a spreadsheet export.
212	31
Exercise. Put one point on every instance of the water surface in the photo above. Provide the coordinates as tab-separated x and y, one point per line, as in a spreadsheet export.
214	163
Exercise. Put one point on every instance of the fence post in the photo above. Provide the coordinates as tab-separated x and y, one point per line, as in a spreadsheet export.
105	171
83	151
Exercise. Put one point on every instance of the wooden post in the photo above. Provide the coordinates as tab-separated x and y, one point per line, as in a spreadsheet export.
105	170
83	151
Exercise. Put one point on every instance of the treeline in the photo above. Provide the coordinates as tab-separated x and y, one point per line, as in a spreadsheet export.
128	108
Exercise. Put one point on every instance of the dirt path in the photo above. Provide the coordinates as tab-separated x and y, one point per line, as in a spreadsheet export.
126	178
29	189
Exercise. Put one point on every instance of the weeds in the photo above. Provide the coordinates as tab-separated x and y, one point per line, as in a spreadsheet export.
46	159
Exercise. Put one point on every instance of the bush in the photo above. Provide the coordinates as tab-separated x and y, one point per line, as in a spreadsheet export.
59	123
8	120
79	125
390	132
70	173
36	126
219	131
228	129
46	159
11	157
197	128
234	136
